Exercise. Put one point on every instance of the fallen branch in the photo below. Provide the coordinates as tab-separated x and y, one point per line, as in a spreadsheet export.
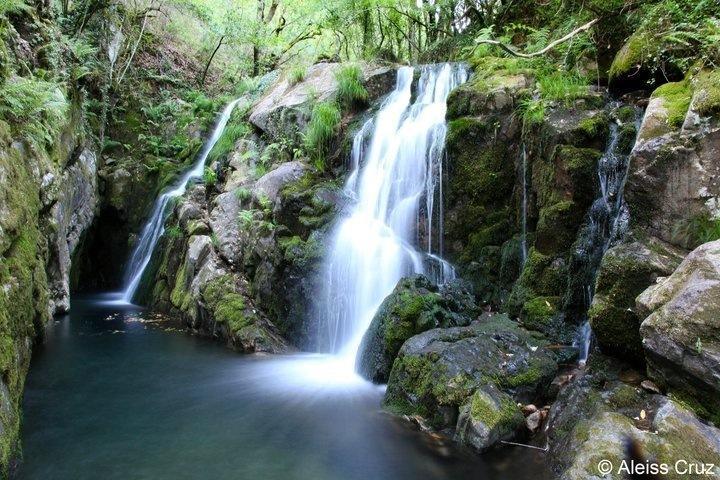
550	46
525	445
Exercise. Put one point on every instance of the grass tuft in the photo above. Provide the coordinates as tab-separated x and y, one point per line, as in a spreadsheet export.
351	93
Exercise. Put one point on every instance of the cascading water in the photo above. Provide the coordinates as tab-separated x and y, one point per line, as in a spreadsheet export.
155	226
396	182
606	223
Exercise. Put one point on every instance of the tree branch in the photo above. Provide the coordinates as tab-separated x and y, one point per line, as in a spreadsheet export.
550	46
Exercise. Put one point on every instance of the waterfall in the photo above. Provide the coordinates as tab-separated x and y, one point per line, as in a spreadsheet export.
607	222
155	226
394	226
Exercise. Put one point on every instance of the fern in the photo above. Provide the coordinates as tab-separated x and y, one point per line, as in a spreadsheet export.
34	107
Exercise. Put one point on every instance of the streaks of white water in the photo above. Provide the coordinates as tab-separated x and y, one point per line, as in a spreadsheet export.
154	228
394	170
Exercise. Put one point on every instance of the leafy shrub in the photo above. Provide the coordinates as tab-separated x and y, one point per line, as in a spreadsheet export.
297	75
34	107
351	93
321	130
209	177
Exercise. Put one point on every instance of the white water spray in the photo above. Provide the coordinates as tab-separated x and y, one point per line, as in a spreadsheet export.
396	181
155	226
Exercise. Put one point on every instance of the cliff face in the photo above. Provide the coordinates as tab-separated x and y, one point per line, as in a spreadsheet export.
48	198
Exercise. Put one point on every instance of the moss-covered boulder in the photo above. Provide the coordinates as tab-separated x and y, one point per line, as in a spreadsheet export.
414	306
625	272
488	417
596	415
681	328
438	371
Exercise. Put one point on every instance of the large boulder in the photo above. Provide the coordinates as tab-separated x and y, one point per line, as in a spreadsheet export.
414	306
681	331
269	186
284	111
596	415
625	271
438	372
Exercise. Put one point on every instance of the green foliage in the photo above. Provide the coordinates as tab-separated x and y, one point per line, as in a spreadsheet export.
703	229
563	87
174	232
322	129
351	93
13	6
246	218
35	108
209	177
225	144
296	75
532	112
242	194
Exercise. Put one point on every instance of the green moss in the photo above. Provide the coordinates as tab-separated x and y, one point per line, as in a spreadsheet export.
226	304
557	227
676	97
624	396
503	414
180	295
631	56
708	84
538	311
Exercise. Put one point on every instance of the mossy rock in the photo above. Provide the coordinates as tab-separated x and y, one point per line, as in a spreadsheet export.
414	306
488	417
558	226
707	93
625	272
437	371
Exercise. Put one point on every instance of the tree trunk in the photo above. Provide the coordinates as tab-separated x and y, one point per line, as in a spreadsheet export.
207	65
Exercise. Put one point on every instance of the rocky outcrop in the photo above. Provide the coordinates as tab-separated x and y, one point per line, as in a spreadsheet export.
469	379
681	331
284	111
414	306
626	270
47	201
70	217
596	415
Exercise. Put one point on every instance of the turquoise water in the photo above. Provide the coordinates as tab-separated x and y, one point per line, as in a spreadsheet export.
114	396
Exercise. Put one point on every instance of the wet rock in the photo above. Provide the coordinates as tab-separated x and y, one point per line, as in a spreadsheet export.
438	371
414	306
625	271
487	417
268	187
672	186
681	331
71	216
225	224
285	110
534	421
650	386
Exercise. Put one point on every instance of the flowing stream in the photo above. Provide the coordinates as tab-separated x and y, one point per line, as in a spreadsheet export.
606	223
155	226
396	182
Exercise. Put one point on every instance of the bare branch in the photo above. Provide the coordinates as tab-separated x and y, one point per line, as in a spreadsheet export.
550	46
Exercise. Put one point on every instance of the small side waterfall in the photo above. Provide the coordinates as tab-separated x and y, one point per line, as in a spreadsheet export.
607	221
394	228
155	226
